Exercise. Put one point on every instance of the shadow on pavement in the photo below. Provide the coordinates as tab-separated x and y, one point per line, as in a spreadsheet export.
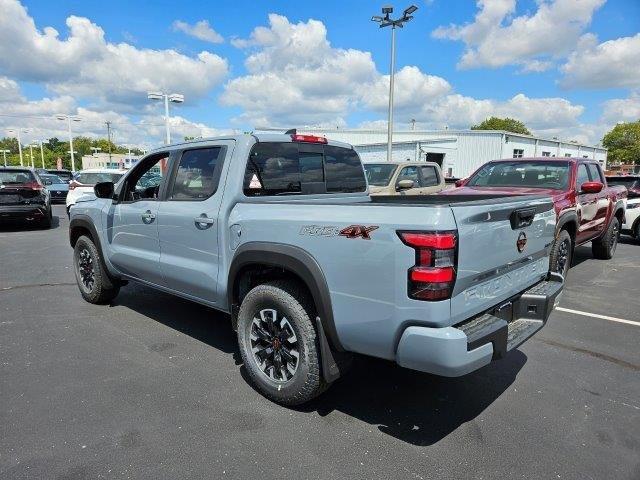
26	226
411	406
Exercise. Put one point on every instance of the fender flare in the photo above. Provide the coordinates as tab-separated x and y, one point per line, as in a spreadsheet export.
297	261
85	222
566	217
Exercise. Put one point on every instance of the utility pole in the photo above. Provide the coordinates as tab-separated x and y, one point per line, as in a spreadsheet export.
108	124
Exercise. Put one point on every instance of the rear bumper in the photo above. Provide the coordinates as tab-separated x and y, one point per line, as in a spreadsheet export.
22	212
456	351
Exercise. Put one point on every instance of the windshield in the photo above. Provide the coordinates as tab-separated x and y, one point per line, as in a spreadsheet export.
16	177
54	179
545	174
91	178
379	174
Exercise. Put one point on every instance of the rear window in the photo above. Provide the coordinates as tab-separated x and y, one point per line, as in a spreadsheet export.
299	168
16	177
544	174
91	178
54	179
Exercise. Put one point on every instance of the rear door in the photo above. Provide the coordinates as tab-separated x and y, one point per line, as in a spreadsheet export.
502	250
429	179
602	198
188	221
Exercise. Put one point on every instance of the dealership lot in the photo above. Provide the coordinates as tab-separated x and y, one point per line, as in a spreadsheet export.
151	387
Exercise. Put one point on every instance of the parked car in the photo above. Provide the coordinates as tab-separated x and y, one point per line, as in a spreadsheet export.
23	197
280	232
588	209
404	178
631	225
58	188
84	181
630	182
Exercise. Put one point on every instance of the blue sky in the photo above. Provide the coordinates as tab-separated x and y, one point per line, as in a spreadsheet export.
463	68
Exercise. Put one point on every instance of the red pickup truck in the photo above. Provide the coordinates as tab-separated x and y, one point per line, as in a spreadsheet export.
587	209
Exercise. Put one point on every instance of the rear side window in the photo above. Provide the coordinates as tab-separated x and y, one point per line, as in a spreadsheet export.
291	168
429	176
198	174
596	176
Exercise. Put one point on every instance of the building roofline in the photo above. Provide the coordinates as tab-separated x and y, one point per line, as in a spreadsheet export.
328	131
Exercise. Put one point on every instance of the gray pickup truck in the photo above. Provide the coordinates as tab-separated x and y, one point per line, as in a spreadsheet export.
279	232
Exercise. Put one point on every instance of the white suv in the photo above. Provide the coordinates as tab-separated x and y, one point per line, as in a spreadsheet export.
631	223
84	181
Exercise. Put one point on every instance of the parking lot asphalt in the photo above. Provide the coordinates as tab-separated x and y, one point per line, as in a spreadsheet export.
152	387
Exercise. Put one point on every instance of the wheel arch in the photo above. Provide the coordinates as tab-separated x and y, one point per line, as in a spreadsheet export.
287	260
568	221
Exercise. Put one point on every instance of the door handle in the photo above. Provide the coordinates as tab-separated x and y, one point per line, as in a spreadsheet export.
148	217
203	222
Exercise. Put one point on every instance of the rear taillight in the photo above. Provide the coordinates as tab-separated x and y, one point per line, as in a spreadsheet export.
33	186
434	273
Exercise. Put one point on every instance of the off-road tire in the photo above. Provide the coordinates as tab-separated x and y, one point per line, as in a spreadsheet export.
102	290
293	302
605	247
561	254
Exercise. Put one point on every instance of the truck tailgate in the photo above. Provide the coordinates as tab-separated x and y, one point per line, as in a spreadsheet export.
502	250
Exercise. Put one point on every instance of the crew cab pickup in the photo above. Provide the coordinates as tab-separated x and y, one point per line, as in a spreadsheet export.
588	210
279	232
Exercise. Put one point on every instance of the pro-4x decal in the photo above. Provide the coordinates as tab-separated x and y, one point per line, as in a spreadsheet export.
357	231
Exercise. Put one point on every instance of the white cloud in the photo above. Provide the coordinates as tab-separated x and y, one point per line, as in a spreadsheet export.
622	109
200	30
85	65
495	39
611	64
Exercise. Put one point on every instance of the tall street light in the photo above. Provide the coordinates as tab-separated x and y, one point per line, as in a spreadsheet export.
17	132
387	21
173	98
41	153
31	145
4	154
69	119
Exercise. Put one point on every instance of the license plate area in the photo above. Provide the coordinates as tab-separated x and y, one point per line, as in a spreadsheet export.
9	198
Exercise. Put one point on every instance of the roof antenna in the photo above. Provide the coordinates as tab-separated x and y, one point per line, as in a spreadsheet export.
291	131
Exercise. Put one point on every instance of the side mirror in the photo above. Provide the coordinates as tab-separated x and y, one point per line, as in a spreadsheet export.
405	184
459	182
591	187
103	190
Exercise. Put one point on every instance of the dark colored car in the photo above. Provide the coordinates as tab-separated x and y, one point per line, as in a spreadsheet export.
66	175
58	188
587	208
631	182
23	196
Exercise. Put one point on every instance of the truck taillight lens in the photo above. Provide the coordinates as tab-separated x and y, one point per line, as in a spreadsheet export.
434	273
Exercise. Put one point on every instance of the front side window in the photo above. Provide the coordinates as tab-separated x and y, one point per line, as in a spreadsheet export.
198	174
596	176
409	173
291	168
518	153
583	176
143	183
429	176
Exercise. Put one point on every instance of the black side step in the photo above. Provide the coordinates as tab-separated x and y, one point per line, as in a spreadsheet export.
520	330
484	329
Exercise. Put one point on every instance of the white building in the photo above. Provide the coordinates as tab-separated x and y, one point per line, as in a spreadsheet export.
102	160
459	152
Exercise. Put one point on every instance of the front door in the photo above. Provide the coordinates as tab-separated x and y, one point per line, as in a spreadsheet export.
409	173
587	207
188	221
132	227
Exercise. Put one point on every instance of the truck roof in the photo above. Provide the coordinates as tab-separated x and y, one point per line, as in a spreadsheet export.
260	137
545	159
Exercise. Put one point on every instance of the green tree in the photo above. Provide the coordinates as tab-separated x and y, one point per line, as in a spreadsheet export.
507	124
9	143
623	142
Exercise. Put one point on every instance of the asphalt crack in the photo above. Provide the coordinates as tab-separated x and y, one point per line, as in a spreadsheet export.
35	285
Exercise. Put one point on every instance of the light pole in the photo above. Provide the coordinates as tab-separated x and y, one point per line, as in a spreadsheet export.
41	153
4	154
31	145
174	98
387	21
69	119
17	132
